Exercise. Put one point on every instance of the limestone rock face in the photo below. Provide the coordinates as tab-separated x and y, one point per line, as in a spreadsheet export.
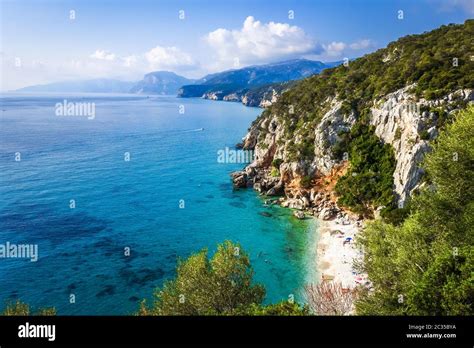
269	98
231	97
263	98
400	121
272	144
326	135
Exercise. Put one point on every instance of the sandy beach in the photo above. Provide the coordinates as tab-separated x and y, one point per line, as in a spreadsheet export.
336	252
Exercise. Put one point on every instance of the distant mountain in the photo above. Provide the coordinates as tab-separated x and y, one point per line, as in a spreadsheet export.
84	86
255	85
160	82
234	84
269	73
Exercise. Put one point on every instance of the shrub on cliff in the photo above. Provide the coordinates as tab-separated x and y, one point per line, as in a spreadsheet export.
369	180
437	61
424	266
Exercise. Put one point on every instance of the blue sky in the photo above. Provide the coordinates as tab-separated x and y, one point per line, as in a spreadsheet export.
125	39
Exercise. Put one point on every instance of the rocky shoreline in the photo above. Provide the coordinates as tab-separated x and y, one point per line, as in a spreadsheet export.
316	203
338	229
401	119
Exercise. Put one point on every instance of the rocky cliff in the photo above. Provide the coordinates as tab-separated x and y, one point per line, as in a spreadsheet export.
263	96
400	119
301	141
403	121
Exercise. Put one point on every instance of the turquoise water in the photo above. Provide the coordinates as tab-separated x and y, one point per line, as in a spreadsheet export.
132	203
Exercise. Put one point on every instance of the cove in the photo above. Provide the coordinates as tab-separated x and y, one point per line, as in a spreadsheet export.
134	204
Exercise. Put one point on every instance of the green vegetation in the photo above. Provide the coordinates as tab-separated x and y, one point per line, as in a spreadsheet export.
424	135
284	308
221	285
277	162
425	265
275	172
19	308
394	215
369	181
276	167
305	181
427	59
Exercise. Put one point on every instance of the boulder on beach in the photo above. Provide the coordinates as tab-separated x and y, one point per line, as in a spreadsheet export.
327	213
298	214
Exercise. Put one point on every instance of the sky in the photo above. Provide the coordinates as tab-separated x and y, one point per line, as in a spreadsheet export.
45	41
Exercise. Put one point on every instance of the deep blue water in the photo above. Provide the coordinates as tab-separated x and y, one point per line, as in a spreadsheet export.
131	204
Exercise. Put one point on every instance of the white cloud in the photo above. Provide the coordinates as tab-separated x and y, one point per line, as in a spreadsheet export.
334	49
361	44
130	61
100	64
258	42
168	58
102	55
466	5
448	5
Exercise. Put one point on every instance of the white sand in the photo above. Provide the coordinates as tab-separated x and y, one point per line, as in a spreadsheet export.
334	257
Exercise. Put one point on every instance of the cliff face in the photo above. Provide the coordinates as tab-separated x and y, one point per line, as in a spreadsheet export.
400	119
357	124
263	96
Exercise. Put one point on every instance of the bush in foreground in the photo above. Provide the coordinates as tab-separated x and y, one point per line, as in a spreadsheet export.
222	285
19	308
425	265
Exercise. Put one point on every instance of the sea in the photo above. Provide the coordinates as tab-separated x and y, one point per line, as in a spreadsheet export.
113	200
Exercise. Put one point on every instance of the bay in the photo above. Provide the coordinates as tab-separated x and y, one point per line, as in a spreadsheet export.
131	204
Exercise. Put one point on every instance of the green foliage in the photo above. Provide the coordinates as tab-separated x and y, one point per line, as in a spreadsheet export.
277	162
305	181
275	172
342	145
19	308
221	285
395	215
284	308
424	135
47	311
430	256
369	180
425	59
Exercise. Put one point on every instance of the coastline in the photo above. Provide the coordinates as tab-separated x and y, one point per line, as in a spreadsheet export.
336	254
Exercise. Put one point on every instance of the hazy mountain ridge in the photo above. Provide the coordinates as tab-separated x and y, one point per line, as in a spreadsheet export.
160	82
254	85
257	85
83	86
